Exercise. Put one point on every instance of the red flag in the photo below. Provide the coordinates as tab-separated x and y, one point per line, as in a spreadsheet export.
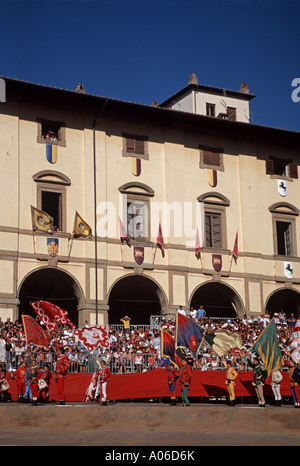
34	333
123	233
235	251
51	315
197	245
160	239
93	337
168	348
189	334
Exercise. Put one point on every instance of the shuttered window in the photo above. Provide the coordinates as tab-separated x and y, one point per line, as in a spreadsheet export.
281	167
213	230
135	146
211	158
137	219
284	238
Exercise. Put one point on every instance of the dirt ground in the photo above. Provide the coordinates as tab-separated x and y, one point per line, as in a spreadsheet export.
147	424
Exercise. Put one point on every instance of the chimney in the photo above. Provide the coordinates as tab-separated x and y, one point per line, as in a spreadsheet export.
244	88
193	79
80	89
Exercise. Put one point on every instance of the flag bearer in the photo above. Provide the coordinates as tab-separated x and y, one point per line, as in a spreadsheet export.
34	374
231	375
185	379
61	369
103	374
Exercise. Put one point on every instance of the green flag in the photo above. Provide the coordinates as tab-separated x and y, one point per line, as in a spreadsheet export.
267	348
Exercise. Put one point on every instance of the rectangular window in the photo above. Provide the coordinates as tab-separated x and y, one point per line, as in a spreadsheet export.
135	146
137	219
281	167
284	238
51	132
213	230
210	110
231	113
211	157
51	203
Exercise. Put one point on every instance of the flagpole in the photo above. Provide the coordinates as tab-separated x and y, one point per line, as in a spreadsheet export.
154	254
232	251
71	238
231	262
34	245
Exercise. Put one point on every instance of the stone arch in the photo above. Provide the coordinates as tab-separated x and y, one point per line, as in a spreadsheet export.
54	285
137	296
286	299
218	299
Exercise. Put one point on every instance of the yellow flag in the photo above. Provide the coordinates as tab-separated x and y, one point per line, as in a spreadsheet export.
81	228
41	221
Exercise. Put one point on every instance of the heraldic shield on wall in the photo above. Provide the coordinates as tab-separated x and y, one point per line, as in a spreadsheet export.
52	246
217	262
138	254
289	269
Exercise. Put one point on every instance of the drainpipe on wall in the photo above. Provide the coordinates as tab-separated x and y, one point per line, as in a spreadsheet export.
95	207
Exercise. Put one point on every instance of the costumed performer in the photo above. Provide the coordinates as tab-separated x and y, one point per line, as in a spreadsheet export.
61	370
103	374
21	383
185	379
173	376
259	378
35	373
231	375
294	374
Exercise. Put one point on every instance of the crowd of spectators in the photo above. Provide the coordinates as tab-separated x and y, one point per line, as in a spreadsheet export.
136	349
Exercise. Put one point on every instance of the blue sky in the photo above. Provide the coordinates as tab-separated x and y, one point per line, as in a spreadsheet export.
141	50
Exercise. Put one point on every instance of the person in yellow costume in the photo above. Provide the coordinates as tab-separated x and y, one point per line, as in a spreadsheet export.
231	375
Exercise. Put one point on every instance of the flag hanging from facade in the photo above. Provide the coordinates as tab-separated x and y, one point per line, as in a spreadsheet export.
160	240
168	347
94	337
189	334
41	221
223	341
197	245
293	345
51	315
267	348
123	233
34	333
81	228
235	251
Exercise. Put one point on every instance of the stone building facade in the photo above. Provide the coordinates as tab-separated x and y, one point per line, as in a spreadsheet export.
205	177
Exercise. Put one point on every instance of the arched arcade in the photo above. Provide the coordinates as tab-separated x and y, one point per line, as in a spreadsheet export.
218	300
53	285
137	296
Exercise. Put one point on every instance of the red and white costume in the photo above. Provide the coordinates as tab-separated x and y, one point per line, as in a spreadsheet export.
103	375
61	369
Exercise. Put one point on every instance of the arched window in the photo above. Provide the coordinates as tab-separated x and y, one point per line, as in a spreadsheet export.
51	196
136	210
215	234
284	228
